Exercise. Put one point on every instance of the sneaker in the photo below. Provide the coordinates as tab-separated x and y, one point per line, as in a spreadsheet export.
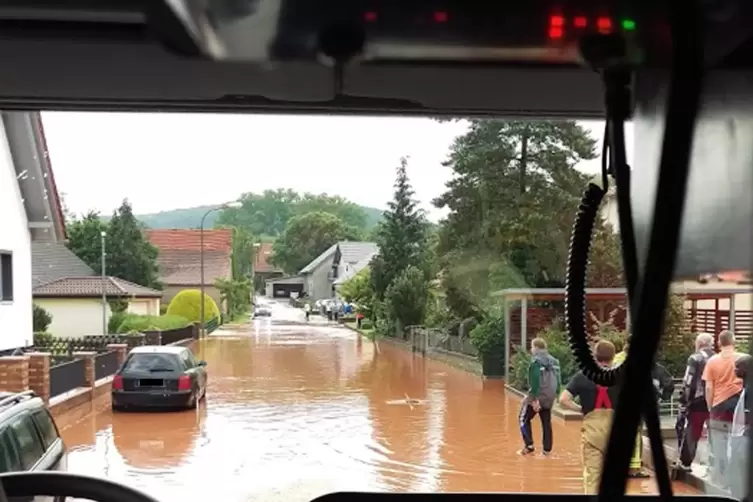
546	453
527	450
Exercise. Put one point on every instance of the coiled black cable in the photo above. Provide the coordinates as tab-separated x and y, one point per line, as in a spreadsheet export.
575	288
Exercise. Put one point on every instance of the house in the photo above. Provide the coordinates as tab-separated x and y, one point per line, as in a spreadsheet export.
355	269
31	212
263	269
317	279
71	292
180	259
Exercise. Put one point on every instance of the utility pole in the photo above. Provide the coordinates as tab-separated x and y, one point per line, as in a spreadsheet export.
104	285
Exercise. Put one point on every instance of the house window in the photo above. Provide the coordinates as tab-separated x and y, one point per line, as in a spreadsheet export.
6	277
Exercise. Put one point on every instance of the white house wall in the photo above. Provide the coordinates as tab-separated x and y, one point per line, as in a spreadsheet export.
74	317
15	317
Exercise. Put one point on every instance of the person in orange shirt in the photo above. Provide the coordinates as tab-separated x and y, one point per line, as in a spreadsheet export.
723	388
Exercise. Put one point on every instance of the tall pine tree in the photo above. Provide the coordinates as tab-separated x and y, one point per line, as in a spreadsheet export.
402	236
130	255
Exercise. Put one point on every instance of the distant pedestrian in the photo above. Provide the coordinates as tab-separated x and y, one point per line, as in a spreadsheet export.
328	308
740	433
359	319
723	388
544	383
694	412
307	311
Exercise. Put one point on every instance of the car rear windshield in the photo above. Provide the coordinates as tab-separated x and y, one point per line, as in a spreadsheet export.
152	363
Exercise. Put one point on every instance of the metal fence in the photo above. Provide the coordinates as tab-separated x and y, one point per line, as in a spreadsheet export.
442	340
67	376
105	364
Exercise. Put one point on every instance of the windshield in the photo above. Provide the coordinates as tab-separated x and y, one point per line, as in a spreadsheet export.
415	271
151	363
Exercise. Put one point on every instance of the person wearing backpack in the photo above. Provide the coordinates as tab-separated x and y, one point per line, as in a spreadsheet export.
544	382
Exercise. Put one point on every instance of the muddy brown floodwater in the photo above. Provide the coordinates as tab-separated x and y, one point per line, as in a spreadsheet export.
296	411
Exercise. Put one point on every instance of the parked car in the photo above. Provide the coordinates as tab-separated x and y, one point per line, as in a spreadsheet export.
29	438
155	376
262	310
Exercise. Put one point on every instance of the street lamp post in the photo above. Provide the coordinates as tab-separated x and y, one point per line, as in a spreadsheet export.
229	205
103	235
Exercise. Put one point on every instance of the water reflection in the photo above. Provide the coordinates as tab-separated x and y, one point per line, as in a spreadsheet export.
297	411
157	440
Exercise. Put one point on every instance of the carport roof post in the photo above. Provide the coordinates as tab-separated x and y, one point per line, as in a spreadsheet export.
524	295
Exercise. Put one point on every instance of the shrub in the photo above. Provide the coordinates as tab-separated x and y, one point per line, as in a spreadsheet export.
162	309
405	298
141	323
187	304
116	319
367	324
489	335
42	319
678	342
42	339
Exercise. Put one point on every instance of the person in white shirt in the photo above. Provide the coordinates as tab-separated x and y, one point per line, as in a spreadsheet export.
737	449
307	311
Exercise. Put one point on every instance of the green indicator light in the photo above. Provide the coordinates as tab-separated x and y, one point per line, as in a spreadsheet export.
628	24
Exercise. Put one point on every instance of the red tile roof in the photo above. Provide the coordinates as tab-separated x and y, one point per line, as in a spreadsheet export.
183	268
190	240
180	255
263	255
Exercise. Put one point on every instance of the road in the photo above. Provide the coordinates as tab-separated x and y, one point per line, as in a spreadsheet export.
296	410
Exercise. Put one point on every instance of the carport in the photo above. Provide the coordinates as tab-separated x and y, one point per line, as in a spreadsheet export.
282	287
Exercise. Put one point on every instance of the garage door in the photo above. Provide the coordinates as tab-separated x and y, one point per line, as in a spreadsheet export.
284	290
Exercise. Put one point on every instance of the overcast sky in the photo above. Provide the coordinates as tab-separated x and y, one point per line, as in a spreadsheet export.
168	161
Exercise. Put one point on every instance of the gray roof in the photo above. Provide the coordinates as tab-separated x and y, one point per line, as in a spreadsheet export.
91	287
51	261
354	269
352	252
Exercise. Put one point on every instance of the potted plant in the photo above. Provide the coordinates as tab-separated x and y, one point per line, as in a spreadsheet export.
489	339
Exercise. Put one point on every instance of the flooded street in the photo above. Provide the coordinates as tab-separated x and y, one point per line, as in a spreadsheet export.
297	410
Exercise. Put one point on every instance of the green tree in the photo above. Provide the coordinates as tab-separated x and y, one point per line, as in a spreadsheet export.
405	299
130	255
511	205
85	239
402	236
242	254
358	290
306	237
605	258
268	213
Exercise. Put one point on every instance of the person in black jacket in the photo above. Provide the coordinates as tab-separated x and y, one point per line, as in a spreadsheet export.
694	411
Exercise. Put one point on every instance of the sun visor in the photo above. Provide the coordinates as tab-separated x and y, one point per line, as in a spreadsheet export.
717	228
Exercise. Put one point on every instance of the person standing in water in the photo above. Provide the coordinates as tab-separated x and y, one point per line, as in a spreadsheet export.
307	311
544	382
597	405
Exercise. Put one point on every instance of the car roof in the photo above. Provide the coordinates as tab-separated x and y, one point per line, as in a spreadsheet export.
17	402
158	349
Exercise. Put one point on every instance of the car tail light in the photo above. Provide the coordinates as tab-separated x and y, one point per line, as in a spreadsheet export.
117	382
184	383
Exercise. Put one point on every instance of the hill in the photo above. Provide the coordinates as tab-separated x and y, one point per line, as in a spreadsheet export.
190	217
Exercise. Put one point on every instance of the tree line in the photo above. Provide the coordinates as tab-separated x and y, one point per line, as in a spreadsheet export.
512	200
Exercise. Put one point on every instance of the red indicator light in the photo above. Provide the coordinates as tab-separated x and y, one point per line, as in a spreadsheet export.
441	17
580	22
604	24
557	21
555	32
370	17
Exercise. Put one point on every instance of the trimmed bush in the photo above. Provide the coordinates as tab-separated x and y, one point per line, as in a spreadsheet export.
42	319
42	339
140	323
187	304
116	319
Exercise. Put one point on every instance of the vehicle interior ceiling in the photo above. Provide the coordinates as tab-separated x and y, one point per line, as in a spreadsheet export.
680	71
